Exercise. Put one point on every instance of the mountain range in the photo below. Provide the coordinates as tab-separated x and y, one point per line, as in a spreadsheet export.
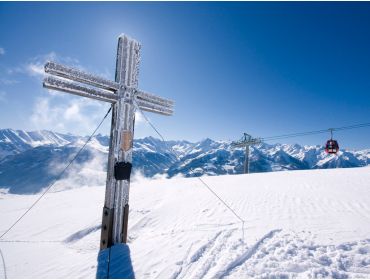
30	161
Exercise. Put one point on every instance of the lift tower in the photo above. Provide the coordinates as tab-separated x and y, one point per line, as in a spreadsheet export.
246	141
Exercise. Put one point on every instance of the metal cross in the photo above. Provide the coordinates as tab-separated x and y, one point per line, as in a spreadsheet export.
124	96
246	141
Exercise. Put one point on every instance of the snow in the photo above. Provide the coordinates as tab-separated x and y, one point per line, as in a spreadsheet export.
313	223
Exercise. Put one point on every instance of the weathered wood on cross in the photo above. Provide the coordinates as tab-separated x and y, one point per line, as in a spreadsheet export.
124	96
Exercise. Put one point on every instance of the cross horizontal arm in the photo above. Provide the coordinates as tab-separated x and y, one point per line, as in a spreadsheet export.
156	111
153	108
145	96
79	76
66	86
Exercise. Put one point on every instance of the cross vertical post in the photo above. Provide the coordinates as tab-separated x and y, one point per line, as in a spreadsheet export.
124	97
121	144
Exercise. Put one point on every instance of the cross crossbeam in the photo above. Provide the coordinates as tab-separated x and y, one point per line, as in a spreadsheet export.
106	90
77	75
123	95
77	89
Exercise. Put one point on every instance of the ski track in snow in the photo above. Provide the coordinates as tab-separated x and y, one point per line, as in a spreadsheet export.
198	263
244	257
294	255
277	254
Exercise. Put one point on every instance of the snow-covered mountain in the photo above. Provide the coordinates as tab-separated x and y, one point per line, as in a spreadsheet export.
218	157
17	141
29	161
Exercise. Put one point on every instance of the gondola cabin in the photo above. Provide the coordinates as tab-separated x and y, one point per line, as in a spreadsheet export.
332	146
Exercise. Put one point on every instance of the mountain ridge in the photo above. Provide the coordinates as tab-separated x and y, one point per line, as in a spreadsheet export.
29	161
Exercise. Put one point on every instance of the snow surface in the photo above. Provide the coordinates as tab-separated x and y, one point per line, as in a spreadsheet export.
313	223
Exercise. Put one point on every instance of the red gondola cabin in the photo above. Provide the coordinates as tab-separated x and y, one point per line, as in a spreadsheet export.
332	146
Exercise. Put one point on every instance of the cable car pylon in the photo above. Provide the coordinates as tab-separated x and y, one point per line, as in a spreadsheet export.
246	141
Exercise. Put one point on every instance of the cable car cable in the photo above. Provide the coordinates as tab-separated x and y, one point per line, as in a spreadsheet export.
284	136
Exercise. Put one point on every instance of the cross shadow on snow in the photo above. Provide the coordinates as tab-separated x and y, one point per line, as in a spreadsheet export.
120	266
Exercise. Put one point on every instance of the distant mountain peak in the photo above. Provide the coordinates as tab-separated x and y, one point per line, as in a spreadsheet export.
32	151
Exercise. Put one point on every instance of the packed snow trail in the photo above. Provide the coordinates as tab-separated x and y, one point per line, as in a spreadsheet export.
293	254
245	256
298	224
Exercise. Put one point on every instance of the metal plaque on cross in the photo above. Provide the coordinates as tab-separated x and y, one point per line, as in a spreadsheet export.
124	95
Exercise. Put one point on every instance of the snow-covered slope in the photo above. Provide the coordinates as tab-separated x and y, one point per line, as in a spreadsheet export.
313	223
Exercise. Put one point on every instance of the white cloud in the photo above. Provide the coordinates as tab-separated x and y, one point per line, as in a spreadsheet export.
44	116
2	51
35	69
35	66
62	112
139	118
76	115
87	174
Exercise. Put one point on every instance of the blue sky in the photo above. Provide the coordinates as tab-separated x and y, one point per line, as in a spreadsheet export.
265	68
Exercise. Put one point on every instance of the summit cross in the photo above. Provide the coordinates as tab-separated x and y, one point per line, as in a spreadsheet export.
124	96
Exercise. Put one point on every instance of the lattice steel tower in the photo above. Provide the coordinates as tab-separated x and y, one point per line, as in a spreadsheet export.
246	141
